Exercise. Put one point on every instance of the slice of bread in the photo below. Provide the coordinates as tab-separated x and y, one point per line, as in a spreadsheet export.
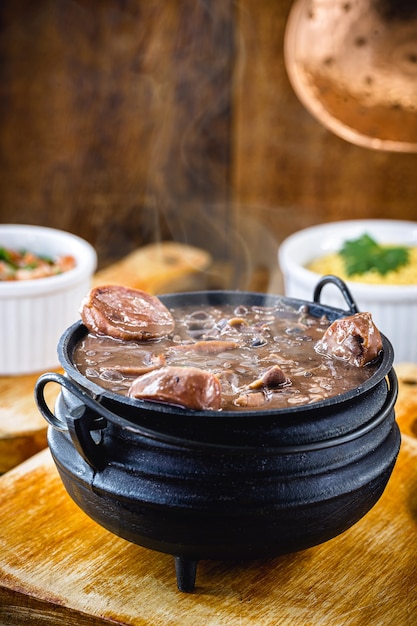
159	268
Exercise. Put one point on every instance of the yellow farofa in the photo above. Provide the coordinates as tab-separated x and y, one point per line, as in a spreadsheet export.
333	264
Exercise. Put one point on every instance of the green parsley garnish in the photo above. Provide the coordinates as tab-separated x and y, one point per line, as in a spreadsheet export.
365	254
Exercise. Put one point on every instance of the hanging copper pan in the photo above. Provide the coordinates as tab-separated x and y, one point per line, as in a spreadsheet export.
353	65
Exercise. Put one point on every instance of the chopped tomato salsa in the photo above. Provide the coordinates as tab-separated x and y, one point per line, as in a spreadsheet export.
25	265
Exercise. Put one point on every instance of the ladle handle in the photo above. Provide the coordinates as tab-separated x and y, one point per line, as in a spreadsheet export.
338	282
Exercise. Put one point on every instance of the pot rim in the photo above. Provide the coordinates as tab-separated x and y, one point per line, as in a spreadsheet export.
77	330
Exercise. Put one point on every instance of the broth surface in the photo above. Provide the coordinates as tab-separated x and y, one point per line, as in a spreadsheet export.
262	337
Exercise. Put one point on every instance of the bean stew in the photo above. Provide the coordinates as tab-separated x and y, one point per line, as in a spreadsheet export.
239	357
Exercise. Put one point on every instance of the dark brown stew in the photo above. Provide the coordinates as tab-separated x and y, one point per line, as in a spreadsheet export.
264	357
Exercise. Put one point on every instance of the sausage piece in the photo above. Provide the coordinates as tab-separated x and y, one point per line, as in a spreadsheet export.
188	387
354	339
125	313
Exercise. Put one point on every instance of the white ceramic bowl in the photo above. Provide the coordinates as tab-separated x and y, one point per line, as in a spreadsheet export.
34	313
393	307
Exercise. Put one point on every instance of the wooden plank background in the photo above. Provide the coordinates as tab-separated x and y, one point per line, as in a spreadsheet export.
132	121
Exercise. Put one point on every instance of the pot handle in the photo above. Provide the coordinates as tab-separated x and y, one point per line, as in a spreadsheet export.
338	282
42	405
80	422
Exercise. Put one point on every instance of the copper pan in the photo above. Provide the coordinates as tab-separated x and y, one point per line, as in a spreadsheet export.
353	65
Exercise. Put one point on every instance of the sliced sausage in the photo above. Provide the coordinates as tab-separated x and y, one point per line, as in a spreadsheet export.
354	339
188	387
125	313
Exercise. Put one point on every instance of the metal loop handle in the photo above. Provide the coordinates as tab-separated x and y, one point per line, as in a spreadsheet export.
338	282
87	400
79	422
42	405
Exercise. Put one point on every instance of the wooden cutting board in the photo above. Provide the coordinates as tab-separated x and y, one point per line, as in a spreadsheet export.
59	567
157	268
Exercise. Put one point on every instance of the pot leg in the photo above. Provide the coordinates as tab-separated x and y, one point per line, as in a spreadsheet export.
186	570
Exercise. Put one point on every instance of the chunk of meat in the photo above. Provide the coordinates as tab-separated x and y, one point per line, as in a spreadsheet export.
214	346
238	322
188	387
354	339
125	313
153	363
273	377
251	400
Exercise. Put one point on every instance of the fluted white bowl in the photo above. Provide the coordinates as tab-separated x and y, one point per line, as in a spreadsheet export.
35	312
393	307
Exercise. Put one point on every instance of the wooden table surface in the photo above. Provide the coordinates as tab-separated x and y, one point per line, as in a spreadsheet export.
59	567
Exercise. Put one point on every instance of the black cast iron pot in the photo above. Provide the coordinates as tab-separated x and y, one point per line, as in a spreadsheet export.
223	485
